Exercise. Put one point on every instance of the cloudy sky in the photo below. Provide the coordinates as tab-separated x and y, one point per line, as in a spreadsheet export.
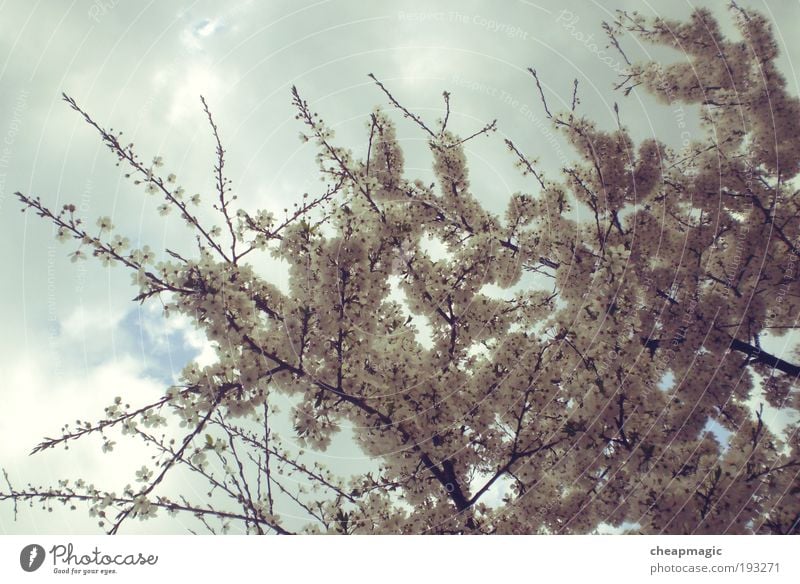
71	339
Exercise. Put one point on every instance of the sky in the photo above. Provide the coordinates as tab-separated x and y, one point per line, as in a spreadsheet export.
71	338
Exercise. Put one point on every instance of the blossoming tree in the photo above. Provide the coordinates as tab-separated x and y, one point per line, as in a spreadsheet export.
679	263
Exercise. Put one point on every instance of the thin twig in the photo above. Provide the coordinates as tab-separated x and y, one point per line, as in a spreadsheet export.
222	182
402	108
541	92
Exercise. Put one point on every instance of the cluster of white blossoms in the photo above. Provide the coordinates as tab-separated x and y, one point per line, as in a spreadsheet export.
681	262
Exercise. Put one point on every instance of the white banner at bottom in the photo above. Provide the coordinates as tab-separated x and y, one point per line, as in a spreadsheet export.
390	559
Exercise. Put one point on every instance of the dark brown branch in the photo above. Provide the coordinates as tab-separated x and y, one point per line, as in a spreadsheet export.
761	356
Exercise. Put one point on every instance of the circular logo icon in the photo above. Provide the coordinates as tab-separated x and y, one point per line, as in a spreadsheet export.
31	557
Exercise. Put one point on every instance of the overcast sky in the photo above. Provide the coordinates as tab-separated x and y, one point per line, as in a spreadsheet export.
71	339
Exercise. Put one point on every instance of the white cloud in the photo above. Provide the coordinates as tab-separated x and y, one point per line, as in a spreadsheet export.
85	323
43	400
46	389
196	79
159	330
192	36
